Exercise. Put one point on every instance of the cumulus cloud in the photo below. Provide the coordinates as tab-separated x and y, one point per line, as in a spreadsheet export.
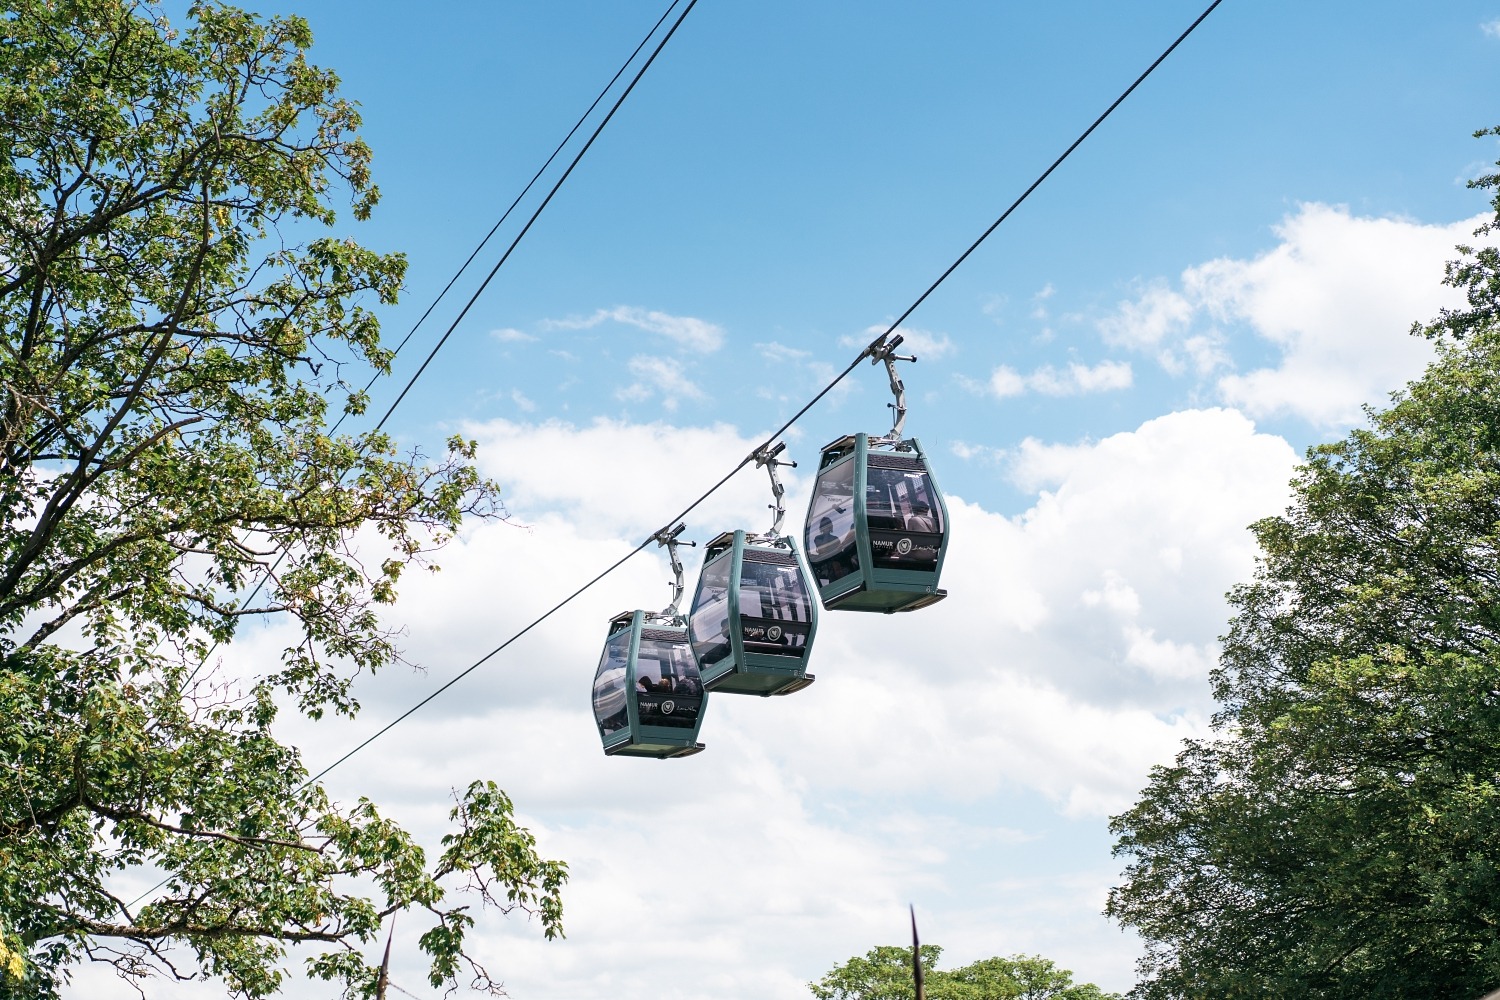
981	452
688	332
1069	657
778	353
599	476
656	376
1097	599
1074	380
1336	298
510	335
1491	28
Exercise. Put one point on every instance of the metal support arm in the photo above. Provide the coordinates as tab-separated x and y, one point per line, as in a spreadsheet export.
668	537
766	457
885	351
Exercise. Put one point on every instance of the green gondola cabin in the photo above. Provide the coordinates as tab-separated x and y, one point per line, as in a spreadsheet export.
753	617
876	527
648	697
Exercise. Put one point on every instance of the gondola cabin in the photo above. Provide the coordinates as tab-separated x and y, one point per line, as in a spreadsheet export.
648	698
753	617
876	527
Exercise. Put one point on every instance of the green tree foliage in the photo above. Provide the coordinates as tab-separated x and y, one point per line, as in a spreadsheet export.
1341	835
885	973
175	318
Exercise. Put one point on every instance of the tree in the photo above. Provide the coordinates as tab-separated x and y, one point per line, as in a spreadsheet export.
176	315
1340	836
885	973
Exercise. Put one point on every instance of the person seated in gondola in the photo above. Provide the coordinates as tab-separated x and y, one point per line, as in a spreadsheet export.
832	556
825	541
920	518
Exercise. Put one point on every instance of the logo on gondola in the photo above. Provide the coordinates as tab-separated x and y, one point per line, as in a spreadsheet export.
904	547
774	633
667	707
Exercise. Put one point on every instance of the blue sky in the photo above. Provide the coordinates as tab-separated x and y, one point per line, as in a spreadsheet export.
794	174
1113	387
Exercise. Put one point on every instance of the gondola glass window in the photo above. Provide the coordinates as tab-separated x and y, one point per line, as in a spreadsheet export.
770	594
667	687
609	686
832	546
900	501
710	628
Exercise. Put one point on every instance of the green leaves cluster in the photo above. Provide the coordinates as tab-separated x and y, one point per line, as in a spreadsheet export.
175	320
885	973
1341	835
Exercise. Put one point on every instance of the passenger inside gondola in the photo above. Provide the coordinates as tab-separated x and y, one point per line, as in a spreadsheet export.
669	690
920	518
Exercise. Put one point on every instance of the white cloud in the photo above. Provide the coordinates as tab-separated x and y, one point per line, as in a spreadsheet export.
969	452
1074	380
1097	595
510	335
1149	319
662	377
778	353
600	476
523	402
1039	309
1491	28
1069	657
1336	298
1006	381
687	332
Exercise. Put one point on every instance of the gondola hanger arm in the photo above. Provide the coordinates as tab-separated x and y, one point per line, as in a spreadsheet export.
667	537
884	351
766	457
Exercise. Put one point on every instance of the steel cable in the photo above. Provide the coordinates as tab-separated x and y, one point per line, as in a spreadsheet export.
867	352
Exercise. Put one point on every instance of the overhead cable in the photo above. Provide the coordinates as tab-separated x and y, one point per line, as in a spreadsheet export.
494	270
539	209
872	351
524	192
281	557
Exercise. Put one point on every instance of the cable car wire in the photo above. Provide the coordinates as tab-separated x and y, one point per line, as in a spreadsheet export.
524	192
539	209
266	578
869	351
468	305
1055	164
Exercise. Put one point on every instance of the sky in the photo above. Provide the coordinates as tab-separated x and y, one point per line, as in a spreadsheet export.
1112	388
